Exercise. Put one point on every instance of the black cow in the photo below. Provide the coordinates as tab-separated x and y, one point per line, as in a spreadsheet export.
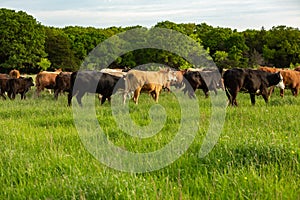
92	82
252	81
3	82
62	83
205	80
18	86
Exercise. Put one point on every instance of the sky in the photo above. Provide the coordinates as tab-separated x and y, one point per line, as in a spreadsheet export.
235	14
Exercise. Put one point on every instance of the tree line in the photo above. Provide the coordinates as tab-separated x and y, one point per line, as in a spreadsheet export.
29	46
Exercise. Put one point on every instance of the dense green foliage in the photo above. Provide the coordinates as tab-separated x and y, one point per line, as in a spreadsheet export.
24	42
257	155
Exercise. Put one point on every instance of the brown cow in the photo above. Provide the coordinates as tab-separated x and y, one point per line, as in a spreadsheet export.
14	73
291	79
62	83
4	76
44	80
151	81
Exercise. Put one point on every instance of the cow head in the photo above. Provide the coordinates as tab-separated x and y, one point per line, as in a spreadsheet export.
29	82
280	84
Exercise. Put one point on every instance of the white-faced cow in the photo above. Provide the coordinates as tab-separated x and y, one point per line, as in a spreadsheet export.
254	82
92	82
150	81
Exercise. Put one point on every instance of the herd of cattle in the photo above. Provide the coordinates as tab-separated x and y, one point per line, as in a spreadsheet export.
106	82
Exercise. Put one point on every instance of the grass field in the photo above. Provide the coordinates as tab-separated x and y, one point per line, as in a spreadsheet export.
257	155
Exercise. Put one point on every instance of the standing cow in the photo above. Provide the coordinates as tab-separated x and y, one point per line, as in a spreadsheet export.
46	80
205	80
62	83
150	81
92	82
255	82
3	82
18	86
291	79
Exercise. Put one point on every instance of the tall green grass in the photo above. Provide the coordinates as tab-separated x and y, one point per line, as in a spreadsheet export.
256	157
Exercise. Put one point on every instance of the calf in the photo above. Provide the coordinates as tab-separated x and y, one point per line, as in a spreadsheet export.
18	86
254	82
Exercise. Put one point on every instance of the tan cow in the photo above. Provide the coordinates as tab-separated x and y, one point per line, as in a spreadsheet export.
115	72
14	73
151	81
45	79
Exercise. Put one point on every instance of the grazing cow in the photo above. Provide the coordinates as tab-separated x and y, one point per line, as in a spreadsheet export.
151	81
46	80
205	80
92	82
178	83
62	83
18	86
255	82
3	82
14	73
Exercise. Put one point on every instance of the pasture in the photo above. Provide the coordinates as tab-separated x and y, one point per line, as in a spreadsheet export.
257	155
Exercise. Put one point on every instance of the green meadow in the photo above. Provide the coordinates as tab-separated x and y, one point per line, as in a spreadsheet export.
256	157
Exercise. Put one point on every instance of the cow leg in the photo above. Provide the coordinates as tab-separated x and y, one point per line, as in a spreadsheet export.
70	98
296	91
56	92
136	95
232	94
79	97
281	92
252	97
265	95
156	92
13	95
3	96
216	92
205	90
271	90
103	99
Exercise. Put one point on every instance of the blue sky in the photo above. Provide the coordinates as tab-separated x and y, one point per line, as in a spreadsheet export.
235	14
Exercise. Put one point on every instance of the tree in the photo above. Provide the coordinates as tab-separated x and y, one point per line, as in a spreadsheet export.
22	40
58	48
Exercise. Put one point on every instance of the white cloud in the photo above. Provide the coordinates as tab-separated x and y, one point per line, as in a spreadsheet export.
105	13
